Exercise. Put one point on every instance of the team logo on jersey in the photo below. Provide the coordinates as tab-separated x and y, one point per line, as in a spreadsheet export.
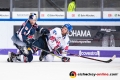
24	33
72	74
55	32
26	28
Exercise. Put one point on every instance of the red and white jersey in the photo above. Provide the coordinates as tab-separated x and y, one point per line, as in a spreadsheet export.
56	40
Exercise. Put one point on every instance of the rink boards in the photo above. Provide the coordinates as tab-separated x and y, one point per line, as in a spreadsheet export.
8	28
91	53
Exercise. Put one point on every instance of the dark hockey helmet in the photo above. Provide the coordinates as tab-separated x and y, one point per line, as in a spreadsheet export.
33	16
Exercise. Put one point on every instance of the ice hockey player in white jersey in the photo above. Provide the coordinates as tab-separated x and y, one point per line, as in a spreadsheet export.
58	40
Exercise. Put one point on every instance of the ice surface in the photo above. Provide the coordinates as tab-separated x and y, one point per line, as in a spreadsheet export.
57	70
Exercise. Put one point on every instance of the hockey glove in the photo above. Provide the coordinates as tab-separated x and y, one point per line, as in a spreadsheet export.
44	31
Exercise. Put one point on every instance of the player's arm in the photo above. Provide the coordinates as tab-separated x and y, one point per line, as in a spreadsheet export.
41	30
64	50
22	26
37	27
22	33
24	37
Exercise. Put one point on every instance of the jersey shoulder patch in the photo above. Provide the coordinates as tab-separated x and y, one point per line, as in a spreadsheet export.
55	32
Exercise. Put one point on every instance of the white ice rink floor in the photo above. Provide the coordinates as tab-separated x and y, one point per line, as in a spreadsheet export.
57	70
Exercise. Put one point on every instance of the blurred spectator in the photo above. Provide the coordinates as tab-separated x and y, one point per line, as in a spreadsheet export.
72	6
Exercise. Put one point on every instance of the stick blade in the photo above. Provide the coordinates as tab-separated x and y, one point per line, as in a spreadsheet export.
110	60
113	57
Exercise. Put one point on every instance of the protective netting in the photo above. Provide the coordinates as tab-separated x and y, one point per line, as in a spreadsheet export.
47	5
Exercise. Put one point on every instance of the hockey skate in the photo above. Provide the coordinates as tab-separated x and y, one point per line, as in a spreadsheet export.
12	57
42	55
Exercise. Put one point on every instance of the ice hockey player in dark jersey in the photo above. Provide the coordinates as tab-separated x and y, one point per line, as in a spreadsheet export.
23	38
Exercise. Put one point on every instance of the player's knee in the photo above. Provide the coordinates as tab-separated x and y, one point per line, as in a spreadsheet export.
49	58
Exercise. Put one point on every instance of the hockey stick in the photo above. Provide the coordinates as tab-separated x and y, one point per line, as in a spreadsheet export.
107	61
47	52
